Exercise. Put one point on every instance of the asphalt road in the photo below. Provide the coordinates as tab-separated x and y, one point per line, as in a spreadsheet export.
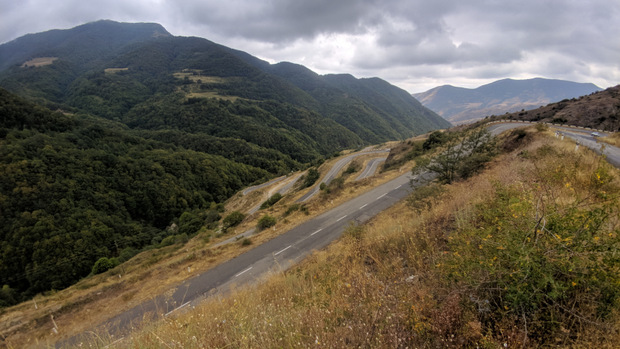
612	153
371	168
248	190
272	256
334	171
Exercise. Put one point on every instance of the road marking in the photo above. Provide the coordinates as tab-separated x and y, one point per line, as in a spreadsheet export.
286	248
398	186
364	205
382	196
316	231
116	341
175	309
239	274
341	218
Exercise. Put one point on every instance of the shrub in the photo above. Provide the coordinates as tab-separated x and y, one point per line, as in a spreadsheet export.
104	264
266	221
233	219
549	268
311	177
353	167
189	223
271	201
422	198
126	254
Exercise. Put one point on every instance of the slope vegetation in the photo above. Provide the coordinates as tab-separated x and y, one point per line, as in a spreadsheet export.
146	72
521	255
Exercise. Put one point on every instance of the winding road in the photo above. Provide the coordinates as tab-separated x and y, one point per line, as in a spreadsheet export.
334	171
278	254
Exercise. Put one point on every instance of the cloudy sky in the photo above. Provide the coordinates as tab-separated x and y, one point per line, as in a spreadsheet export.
414	44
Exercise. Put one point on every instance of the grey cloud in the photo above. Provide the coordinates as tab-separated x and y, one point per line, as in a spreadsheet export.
448	39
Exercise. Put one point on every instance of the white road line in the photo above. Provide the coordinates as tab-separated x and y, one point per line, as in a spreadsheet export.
381	196
282	250
364	205
175	309
398	186
341	218
316	231
239	274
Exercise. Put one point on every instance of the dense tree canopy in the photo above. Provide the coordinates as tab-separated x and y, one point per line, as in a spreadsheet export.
75	189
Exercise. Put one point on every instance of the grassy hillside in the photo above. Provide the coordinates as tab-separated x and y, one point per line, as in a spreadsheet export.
600	110
522	255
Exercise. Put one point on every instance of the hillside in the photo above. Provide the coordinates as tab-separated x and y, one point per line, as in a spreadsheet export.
600	110
191	83
461	105
76	188
529	260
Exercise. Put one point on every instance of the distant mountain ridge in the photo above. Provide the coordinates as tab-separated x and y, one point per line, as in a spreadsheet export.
462	105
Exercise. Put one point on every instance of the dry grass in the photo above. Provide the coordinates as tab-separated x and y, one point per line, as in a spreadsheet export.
381	285
613	139
114	70
39	62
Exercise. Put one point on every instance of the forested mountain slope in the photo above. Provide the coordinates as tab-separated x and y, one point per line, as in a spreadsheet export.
149	71
75	189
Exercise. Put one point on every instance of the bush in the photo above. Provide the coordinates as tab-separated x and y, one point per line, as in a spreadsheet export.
233	219
126	254
549	269
104	264
271	201
354	166
423	198
311	177
189	223
266	221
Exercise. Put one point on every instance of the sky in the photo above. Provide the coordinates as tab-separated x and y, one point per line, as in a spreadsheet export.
414	44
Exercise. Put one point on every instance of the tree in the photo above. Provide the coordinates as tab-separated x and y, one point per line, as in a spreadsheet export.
104	264
233	219
463	157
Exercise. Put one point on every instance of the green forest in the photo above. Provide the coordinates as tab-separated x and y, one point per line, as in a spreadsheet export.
75	188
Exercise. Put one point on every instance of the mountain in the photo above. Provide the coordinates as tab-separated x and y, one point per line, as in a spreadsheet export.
599	110
144	77
462	105
111	132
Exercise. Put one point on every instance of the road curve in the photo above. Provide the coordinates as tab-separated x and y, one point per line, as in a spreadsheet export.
248	190
371	168
334	171
612	153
